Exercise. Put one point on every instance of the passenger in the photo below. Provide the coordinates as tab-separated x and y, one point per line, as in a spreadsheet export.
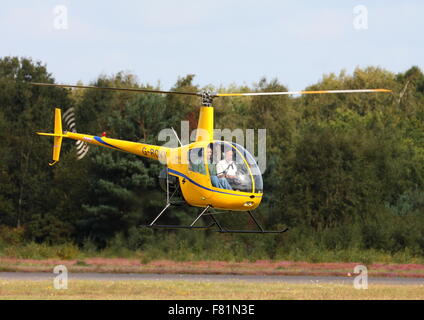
196	162
212	169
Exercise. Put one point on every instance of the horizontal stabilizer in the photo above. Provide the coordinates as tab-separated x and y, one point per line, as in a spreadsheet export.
51	134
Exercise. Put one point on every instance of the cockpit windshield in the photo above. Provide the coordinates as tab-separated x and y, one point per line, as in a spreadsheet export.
230	167
254	168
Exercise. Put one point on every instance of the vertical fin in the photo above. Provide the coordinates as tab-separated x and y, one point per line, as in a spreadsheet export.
57	143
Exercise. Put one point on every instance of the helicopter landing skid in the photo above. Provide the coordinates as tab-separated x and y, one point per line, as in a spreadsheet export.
260	231
214	223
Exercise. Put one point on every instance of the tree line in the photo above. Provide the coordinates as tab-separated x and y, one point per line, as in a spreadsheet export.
343	170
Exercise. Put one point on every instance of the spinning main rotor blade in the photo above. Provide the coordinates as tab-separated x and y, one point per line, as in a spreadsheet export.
208	94
298	92
112	88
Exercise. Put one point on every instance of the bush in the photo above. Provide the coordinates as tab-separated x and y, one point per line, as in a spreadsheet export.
31	250
11	236
68	251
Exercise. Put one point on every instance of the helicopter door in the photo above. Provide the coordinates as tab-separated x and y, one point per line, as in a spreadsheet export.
196	190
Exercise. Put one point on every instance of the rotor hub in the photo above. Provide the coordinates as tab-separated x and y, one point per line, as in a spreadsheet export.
207	98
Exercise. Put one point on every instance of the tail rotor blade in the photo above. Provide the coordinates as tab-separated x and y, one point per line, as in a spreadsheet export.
69	119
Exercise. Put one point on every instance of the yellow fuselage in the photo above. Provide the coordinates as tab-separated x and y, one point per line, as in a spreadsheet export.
197	188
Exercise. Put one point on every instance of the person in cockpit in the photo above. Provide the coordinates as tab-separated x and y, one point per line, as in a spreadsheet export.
227	170
217	182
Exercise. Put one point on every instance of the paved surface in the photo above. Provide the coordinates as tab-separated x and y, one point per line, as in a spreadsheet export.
33	276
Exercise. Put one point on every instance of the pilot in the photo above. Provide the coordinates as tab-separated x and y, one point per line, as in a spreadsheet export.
217	182
227	170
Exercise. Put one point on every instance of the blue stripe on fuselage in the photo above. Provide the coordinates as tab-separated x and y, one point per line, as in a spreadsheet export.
199	185
98	139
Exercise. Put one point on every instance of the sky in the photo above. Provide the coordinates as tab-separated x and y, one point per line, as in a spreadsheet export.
221	42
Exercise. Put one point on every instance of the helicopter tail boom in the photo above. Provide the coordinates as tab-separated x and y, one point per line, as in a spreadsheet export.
140	149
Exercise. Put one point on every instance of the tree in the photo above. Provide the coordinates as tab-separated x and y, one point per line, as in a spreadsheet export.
25	110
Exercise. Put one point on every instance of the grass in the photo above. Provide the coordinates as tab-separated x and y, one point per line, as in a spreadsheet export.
36	251
191	290
189	246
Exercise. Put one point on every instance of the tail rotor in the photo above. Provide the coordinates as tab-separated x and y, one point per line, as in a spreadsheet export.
69	120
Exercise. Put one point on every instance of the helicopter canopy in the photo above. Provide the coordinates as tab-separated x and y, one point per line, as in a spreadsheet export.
229	166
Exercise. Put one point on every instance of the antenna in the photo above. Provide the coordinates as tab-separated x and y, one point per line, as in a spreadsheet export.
176	135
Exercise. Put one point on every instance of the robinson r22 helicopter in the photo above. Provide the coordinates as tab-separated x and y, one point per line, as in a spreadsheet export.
209	174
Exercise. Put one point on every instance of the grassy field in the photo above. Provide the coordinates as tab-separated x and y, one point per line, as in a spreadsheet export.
190	290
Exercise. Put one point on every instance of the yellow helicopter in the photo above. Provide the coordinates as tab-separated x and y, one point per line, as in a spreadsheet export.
209	174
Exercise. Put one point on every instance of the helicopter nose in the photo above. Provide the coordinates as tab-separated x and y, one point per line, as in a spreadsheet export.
251	203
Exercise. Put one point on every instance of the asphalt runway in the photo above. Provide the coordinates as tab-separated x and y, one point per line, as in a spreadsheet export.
33	276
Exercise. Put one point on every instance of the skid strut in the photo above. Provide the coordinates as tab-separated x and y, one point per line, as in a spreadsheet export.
167	226
215	222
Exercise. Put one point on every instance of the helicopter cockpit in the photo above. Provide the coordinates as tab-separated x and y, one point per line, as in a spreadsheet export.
229	165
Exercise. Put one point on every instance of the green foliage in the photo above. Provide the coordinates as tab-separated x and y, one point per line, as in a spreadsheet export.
11	236
68	252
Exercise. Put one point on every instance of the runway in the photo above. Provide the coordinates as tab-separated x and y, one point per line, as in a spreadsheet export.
37	276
